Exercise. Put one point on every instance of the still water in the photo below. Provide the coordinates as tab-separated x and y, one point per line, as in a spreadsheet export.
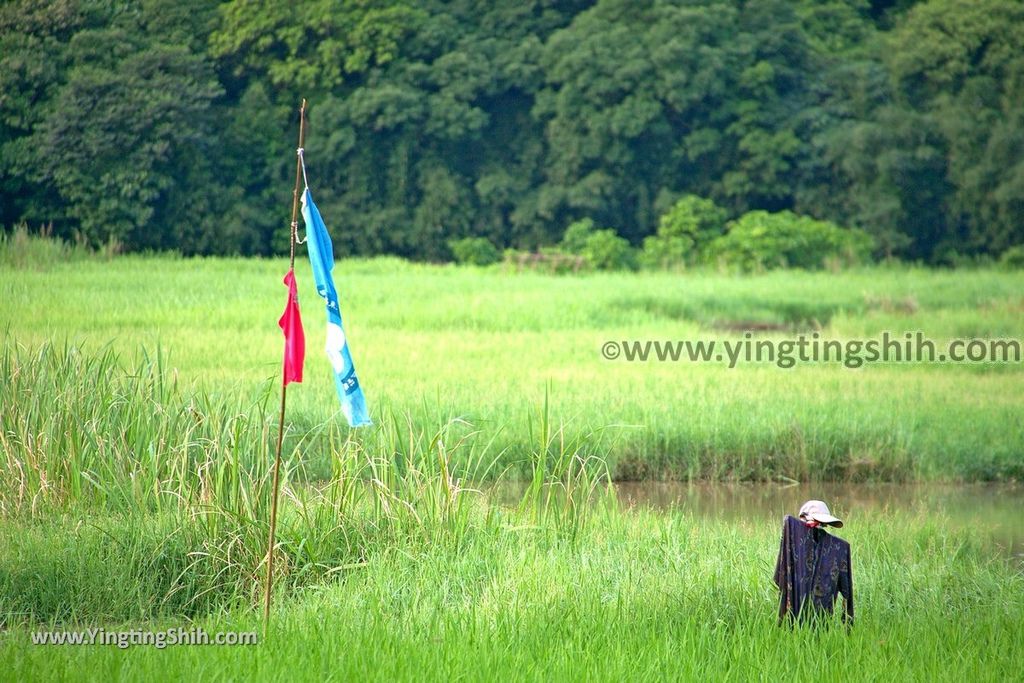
994	513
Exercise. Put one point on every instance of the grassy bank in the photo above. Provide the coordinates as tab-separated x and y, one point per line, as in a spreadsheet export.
433	344
636	596
134	488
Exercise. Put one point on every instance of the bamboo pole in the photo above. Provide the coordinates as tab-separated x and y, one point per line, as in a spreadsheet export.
271	541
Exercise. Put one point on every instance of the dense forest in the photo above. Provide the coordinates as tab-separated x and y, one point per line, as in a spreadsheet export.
163	124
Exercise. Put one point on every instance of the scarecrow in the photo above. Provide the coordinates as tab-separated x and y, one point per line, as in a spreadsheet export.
813	566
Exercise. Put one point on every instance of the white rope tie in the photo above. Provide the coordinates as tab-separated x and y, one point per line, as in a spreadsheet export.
302	160
295	225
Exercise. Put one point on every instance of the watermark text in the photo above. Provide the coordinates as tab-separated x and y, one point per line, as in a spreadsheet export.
909	347
157	639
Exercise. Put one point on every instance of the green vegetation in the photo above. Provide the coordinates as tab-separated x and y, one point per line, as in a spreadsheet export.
1013	257
684	232
22	249
695	232
415	571
761	240
484	347
172	127
475	251
771	167
134	485
638	595
600	249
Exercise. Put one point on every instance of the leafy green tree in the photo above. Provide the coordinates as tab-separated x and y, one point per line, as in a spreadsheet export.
606	250
760	240
697	98
441	140
1013	258
119	135
117	141
314	45
160	124
683	233
576	235
122	133
602	249
28	83
958	64
255	167
477	251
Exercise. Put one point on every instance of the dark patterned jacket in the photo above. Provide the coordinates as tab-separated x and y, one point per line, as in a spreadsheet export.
812	569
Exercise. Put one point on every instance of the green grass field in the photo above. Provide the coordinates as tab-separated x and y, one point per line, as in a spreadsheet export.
436	343
137	419
637	597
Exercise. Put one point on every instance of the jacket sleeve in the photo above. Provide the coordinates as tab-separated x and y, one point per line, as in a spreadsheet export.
846	586
782	578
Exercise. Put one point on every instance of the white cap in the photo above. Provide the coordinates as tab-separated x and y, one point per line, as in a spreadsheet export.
818	511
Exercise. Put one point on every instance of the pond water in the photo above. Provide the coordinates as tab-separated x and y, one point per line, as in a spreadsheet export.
995	512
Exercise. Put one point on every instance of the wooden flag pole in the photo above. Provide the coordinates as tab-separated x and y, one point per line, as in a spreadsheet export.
280	425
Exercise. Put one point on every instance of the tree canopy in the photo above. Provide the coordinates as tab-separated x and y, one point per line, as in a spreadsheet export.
163	125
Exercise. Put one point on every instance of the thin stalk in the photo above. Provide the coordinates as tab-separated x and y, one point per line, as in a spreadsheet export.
280	425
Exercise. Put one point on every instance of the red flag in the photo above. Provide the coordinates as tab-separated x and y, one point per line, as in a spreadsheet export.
294	339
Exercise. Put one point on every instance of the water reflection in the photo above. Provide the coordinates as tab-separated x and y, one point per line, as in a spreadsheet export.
994	512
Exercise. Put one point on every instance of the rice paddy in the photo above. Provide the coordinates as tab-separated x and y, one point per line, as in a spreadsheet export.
138	415
489	347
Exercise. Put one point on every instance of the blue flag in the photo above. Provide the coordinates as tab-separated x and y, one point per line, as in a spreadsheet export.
321	257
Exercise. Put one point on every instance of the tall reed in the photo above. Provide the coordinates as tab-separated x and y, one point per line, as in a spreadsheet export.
130	450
